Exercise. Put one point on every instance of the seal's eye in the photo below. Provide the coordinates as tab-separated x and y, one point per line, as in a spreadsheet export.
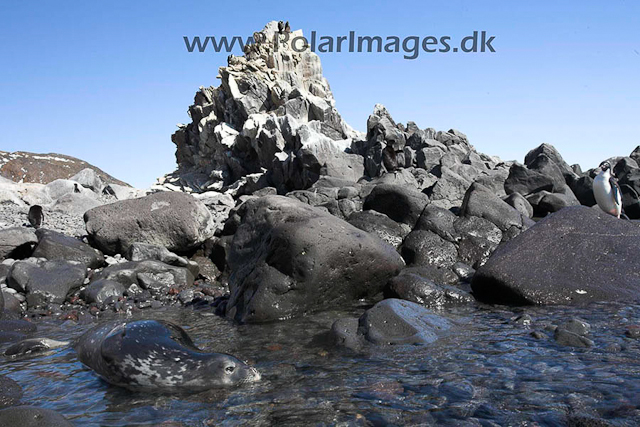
229	369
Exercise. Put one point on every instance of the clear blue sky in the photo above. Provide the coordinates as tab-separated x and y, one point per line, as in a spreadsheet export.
108	81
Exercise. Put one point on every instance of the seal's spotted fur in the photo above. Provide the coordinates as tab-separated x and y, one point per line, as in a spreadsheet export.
153	354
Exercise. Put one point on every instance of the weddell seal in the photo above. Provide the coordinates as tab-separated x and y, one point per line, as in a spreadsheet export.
157	355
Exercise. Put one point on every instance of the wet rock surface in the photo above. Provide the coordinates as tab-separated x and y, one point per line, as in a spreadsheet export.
31	416
10	392
390	322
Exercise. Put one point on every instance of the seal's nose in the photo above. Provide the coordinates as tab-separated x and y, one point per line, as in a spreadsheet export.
256	374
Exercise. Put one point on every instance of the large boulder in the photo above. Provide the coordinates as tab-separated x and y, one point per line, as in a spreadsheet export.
540	157
575	255
46	281
174	220
76	204
481	202
526	181
288	258
439	221
90	179
56	246
17	242
450	189
583	189
401	204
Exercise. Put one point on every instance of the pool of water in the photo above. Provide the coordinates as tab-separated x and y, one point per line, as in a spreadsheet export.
488	371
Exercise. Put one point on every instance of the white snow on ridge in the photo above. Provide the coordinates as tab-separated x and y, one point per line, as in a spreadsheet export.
59	159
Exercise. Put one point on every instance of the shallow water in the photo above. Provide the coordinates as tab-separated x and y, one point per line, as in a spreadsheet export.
488	371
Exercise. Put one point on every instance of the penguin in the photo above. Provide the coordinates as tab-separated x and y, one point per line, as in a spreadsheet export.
287	28
280	27
35	216
607	192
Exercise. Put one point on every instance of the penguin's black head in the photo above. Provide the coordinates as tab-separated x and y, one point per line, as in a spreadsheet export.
605	166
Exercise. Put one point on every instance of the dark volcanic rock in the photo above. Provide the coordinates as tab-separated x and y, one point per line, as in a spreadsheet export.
401	204
17	242
156	276
519	203
481	202
30	416
145	251
463	271
174	220
546	160
380	225
391	322
450	189
46	281
576	326
526	181
439	221
583	189
56	246
576	255
427	248
478	238
532	160
287	259
630	201
2	306
394	321
571	339
102	289
344	333
10	392
11	303
412	285
544	202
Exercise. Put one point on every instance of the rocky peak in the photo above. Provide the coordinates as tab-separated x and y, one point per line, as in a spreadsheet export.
272	110
272	122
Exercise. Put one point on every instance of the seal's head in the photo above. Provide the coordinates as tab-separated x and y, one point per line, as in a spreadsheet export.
229	371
